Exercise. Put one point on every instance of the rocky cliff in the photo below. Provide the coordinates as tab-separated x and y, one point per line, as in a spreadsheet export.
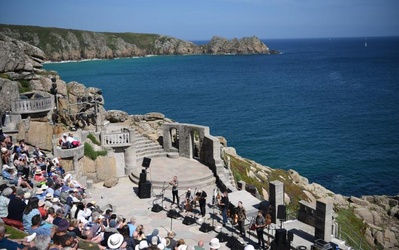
376	216
63	45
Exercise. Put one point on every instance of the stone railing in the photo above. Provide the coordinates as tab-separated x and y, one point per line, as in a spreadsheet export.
77	152
124	138
29	106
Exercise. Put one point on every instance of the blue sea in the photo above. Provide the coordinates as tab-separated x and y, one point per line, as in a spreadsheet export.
328	108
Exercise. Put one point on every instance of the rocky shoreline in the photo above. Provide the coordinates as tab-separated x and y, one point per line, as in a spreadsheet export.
21	62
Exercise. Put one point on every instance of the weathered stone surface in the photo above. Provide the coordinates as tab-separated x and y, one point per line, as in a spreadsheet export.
89	165
153	116
34	135
110	182
8	91
115	116
365	214
359	201
300	180
106	167
17	56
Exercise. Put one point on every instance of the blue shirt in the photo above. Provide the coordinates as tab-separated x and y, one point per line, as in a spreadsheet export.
10	245
27	218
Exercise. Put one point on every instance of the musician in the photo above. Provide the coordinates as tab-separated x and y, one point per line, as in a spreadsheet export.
202	201
260	224
242	215
224	205
189	199
175	192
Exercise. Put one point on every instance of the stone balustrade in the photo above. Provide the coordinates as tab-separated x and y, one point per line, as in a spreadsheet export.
29	106
77	152
124	138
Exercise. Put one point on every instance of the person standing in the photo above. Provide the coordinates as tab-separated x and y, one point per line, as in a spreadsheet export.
260	224
224	204
202	202
175	191
242	215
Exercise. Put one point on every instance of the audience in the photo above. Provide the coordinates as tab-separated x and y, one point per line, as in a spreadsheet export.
41	199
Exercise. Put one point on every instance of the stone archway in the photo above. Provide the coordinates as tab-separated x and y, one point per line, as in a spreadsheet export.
174	137
195	144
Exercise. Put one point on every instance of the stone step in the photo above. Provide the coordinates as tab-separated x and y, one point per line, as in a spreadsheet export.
140	158
183	185
148	153
189	181
148	146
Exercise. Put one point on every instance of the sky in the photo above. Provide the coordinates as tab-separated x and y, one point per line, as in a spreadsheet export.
203	19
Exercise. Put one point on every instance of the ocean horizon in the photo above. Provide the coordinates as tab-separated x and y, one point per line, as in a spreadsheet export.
327	108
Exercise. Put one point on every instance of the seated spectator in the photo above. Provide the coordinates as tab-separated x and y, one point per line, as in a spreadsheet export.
61	237
42	209
31	210
16	207
108	232
38	153
39	228
10	175
73	141
50	215
6	243
152	236
38	177
139	235
64	142
5	155
128	239
116	242
4	201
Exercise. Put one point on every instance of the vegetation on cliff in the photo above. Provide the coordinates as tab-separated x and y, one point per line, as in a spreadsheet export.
67	44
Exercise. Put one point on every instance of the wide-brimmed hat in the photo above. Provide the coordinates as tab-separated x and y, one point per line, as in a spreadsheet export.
27	195
161	246
49	196
44	187
63	225
55	200
249	247
214	243
41	203
39	191
38	171
115	241
142	245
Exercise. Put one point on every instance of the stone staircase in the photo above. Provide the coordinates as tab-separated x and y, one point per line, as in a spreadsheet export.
147	148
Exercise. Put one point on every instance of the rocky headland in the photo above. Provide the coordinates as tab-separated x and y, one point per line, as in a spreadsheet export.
66	45
370	220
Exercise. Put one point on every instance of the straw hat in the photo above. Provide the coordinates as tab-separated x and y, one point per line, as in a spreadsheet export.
115	241
214	243
39	191
143	245
38	171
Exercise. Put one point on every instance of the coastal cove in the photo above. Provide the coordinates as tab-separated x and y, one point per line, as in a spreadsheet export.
327	108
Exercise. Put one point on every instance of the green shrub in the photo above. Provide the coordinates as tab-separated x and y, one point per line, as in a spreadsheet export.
91	153
24	86
353	227
93	138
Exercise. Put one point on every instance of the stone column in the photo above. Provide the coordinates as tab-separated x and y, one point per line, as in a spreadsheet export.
323	220
276	198
130	154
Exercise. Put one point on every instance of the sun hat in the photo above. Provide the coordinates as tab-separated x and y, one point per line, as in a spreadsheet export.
27	195
39	191
38	171
63	225
115	241
55	200
161	246
41	203
214	243
142	245
49	196
249	247
44	187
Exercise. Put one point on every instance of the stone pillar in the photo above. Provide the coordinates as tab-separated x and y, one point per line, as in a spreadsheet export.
276	198
323	220
130	154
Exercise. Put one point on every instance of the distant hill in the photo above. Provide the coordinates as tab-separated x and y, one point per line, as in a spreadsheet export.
67	44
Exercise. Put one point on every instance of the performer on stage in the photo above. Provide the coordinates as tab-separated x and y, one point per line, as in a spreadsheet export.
224	204
242	215
175	192
260	224
202	202
189	199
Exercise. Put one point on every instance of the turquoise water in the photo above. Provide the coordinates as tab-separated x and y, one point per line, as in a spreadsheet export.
326	108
